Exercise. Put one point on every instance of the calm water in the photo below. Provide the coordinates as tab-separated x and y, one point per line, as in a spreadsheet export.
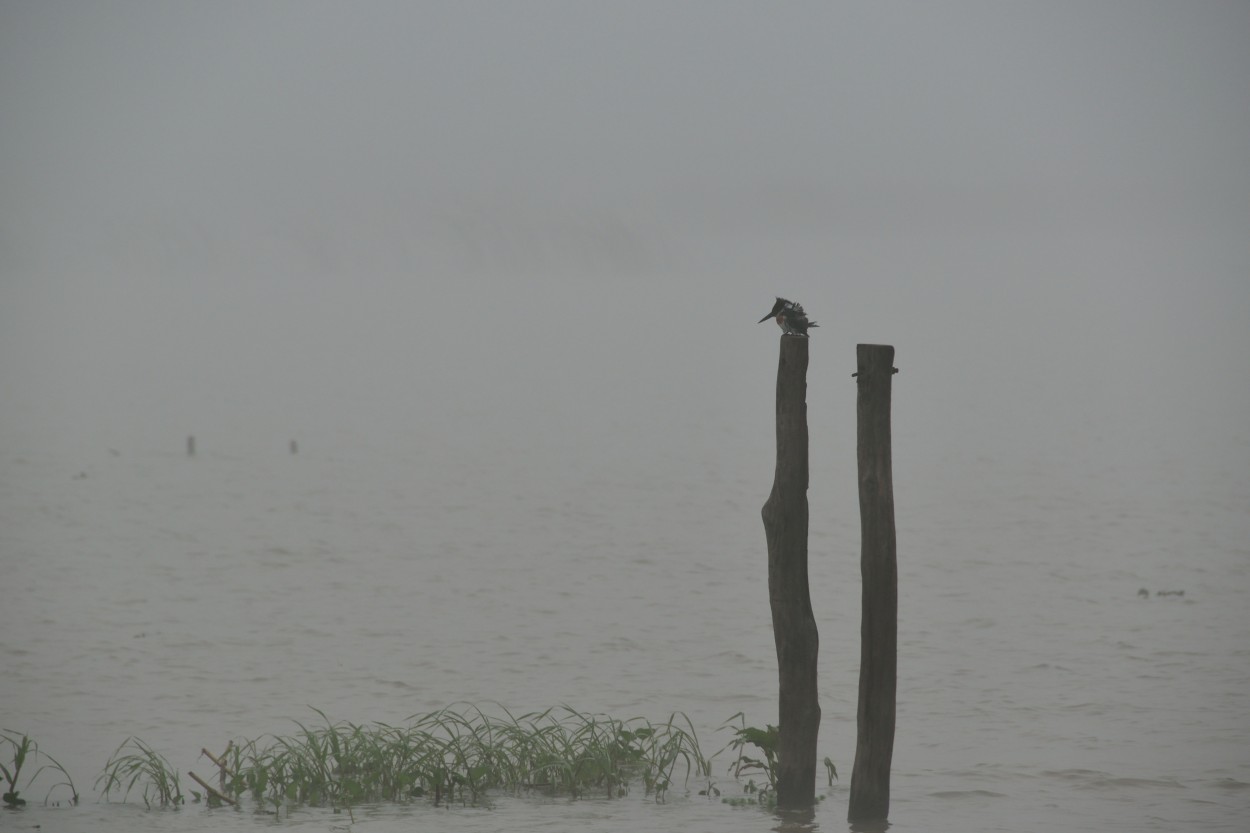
188	601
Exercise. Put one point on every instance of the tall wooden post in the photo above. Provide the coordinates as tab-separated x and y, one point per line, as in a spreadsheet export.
794	626
878	665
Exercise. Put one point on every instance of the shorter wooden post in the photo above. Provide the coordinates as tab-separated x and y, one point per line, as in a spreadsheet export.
878	663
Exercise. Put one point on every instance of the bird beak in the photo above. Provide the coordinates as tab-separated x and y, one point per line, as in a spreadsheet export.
765	318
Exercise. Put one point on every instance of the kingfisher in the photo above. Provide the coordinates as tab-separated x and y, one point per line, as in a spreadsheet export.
790	318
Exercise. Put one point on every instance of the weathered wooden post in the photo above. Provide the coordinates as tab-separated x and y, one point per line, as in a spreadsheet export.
878	664
794	626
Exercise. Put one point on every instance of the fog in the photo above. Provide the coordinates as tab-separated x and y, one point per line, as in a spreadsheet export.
549	228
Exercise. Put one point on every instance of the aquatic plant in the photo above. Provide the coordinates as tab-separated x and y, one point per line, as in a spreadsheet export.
136	761
457	755
24	748
765	740
461	753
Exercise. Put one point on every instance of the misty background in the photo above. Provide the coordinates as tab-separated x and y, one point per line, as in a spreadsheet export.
497	268
545	232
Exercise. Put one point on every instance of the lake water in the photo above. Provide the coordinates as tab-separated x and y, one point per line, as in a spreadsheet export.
189	601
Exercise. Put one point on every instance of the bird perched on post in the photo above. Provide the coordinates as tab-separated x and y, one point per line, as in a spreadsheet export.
790	318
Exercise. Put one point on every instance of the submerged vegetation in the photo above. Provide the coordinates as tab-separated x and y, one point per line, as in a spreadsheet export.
459	754
765	740
18	750
452	755
134	762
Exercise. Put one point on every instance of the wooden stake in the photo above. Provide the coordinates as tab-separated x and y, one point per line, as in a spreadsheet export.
794	625
214	793
222	769
878	665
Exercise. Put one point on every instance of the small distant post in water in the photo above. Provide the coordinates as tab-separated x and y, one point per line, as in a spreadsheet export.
190	445
294	447
878	663
794	625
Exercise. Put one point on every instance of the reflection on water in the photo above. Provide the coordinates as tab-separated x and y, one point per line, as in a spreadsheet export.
190	600
795	821
874	826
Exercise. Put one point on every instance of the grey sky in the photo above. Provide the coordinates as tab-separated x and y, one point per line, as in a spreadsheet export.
303	217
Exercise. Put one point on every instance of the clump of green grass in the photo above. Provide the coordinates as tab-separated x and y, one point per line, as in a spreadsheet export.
135	762
25	749
458	755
